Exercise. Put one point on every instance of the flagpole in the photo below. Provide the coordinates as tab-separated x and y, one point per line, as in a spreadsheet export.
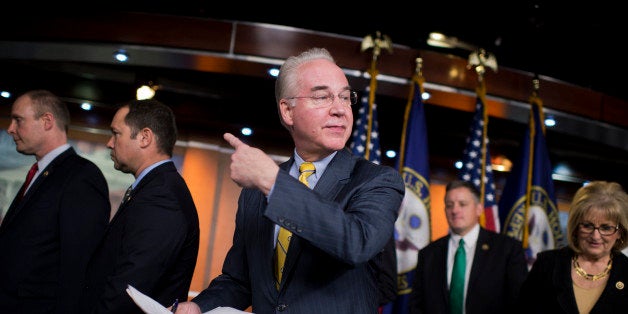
377	44
418	79
535	101
480	60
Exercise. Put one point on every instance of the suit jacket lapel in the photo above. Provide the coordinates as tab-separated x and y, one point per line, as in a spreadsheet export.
329	184
16	206
336	175
482	247
268	228
441	263
167	166
562	278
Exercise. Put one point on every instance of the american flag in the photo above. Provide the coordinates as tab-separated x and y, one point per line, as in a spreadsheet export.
365	135
476	165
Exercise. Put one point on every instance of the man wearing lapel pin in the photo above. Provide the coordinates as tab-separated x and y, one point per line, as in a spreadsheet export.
55	222
336	219
152	240
492	270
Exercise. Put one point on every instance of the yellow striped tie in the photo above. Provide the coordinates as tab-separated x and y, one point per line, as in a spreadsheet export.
283	239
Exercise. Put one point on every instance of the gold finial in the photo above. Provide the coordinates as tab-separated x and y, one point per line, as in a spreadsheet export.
481	59
378	43
536	84
419	66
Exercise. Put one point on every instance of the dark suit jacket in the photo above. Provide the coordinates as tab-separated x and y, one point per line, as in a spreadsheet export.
151	243
48	237
549	287
337	227
499	268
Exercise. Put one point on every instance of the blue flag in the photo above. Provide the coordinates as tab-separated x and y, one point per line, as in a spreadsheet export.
528	203
412	228
476	164
365	141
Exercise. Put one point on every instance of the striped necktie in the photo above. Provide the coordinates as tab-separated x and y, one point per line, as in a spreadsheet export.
283	238
456	288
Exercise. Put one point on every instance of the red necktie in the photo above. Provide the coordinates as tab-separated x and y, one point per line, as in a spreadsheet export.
29	178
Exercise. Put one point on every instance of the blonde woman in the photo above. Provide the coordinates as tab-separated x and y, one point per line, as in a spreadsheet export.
591	273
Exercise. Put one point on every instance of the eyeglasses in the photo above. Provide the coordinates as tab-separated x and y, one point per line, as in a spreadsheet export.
604	230
325	99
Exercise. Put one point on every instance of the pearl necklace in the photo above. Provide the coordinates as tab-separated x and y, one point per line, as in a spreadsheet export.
582	273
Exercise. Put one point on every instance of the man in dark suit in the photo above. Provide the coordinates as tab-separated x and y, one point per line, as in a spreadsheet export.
339	221
152	240
54	223
495	263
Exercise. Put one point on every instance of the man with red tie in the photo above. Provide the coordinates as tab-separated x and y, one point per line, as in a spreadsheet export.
55	222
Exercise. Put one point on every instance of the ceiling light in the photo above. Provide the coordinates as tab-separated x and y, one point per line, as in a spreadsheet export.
246	131
501	163
121	55
86	106
440	40
550	121
274	72
145	92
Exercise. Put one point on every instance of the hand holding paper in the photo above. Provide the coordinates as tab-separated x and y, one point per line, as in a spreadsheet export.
150	306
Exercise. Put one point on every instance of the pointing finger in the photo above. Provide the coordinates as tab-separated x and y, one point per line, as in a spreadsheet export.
232	140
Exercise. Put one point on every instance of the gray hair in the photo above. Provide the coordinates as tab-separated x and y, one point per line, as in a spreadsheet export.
287	79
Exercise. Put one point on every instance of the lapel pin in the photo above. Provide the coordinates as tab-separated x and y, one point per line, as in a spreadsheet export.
619	285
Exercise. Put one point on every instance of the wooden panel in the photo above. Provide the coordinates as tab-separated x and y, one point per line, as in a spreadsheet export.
572	99
262	40
279	42
132	28
614	111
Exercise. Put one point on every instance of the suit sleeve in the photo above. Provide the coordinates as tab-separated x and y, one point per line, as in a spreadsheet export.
416	299
516	270
536	290
83	217
153	234
354	225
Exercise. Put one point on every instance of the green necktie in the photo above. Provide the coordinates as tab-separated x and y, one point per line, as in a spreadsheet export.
456	288
283	238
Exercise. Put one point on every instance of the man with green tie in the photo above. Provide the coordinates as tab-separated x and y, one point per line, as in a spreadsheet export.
471	270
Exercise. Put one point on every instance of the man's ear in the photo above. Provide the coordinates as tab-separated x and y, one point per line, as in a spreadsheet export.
479	209
49	121
146	137
286	110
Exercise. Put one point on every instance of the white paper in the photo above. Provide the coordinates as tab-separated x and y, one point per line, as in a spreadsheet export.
146	303
150	306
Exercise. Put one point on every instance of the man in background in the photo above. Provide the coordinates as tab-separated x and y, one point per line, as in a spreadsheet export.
153	238
57	218
494	266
